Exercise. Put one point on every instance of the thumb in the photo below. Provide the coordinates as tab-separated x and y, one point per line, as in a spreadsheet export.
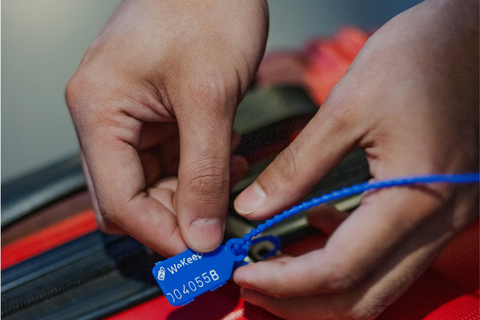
204	174
326	139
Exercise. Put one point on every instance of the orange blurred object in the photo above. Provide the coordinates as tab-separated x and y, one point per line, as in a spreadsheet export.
316	69
329	59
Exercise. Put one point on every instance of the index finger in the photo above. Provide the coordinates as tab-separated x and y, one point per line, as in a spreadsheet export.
365	239
118	181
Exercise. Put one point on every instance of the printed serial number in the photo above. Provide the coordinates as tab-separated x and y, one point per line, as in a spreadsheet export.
193	285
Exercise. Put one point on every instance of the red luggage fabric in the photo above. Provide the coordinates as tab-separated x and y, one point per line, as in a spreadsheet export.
48	238
449	289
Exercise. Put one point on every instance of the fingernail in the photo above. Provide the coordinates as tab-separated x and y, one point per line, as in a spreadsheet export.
250	199
206	234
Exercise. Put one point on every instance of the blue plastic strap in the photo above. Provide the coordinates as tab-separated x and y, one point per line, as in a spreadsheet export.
189	274
359	188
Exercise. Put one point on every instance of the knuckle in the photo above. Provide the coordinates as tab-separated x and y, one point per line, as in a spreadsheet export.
208	181
73	93
286	165
210	90
342	106
97	105
206	89
79	90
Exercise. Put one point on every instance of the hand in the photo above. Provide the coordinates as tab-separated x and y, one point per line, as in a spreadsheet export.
410	99
156	94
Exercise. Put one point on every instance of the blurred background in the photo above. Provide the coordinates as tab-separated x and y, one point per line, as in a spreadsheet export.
43	42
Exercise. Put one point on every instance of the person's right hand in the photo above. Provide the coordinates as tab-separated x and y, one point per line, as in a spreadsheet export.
410	100
156	92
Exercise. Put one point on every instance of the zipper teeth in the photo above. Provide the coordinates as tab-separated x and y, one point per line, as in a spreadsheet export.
74	275
18	301
70	276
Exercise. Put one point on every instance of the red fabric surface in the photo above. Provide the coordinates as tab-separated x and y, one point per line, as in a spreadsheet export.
459	262
433	297
464	307
48	238
447	290
224	303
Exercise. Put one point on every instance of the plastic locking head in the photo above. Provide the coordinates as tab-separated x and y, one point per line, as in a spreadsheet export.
189	274
237	249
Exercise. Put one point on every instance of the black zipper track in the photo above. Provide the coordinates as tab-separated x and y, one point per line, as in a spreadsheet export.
106	267
98	275
73	265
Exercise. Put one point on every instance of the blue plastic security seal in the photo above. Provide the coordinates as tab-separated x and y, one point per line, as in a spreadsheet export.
189	274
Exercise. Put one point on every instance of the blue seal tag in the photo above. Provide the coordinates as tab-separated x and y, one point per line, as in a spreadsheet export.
189	274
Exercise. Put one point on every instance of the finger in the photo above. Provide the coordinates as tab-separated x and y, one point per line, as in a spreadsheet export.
204	172
326	218
169	183
164	191
370	231
118	180
105	226
322	143
161	159
392	277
